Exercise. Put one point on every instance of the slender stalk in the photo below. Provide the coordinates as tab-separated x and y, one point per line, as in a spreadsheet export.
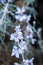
4	14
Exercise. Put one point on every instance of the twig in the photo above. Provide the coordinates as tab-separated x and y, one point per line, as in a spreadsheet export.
4	14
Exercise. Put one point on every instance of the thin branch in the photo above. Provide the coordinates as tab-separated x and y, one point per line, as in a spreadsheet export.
4	14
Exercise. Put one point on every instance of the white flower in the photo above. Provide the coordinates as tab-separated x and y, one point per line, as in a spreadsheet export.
28	35
17	55
26	62
20	10
28	32
21	16
21	19
17	35
23	45
17	17
16	39
21	51
31	61
24	17
15	51
12	36
33	41
17	28
20	35
29	29
23	9
15	47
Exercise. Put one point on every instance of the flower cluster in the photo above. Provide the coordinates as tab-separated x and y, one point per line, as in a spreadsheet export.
22	39
29	34
17	35
20	46
20	16
24	35
18	38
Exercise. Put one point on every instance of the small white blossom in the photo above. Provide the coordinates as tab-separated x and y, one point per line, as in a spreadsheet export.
21	51
28	33
16	39
20	37
21	19
33	41
23	9
29	29
24	17
17	55
21	16
20	11
31	61
17	28
20	33
27	62
23	45
15	52
12	36
17	35
18	17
